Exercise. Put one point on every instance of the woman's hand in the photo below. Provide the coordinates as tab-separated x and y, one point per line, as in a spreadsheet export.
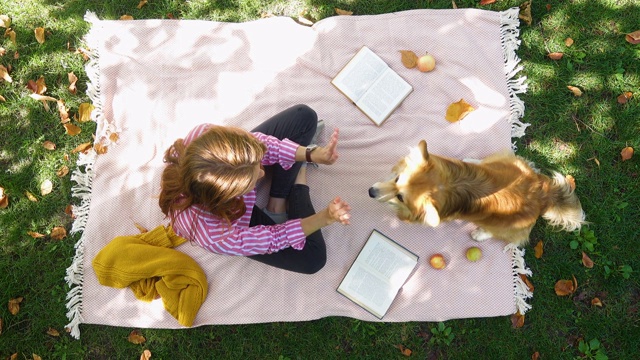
338	210
327	154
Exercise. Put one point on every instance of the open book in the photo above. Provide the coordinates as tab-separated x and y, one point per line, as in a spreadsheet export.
377	274
372	85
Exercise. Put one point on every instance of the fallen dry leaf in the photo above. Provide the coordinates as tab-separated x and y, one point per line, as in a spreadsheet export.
11	35
82	147
633	38
126	17
343	12
135	337
555	55
525	12
527	282
1	325
141	228
487	2
49	145
114	137
626	153
4	199
2	98
72	129
568	42
5	21
46	187
41	86
14	305
576	91
69	211
403	349
146	355
141	4
4	73
535	355
63	171
409	58
596	302
84	112
53	332
458	110
566	287
43	99
39	32
63	111
586	261
595	159
35	235
624	97
100	149
72	82
453	4
517	320
538	249
36	357
58	233
30	196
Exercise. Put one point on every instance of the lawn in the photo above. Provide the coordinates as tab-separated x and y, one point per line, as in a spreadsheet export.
578	135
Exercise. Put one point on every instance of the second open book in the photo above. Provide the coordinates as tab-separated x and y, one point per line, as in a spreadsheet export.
372	85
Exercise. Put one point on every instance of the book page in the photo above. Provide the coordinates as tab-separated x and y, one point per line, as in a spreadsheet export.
378	273
359	74
384	96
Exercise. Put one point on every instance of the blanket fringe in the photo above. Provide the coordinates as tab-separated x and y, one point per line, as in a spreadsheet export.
509	29
521	290
83	177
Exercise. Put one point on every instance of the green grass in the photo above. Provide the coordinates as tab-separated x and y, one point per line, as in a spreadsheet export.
567	133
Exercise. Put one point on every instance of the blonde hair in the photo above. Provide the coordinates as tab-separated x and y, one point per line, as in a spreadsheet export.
213	171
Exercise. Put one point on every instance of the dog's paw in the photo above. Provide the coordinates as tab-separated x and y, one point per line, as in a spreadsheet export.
480	234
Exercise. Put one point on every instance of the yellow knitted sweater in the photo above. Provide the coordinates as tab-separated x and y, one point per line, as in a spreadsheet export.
147	264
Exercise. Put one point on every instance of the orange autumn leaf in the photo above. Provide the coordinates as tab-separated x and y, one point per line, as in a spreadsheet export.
343	12
535	356
575	90
14	305
36	357
53	332
596	302
69	211
82	147
626	153
135	337
403	349
566	287
84	111
487	2
141	4
49	145
141	228
517	320
146	355
100	149
568	42
35	235
624	97
633	38
58	233
41	86
409	58
4	74
114	137
72	82
30	196
39	32
4	199
72	129
63	111
527	282
586	261
126	17
555	55
458	110
538	249
62	171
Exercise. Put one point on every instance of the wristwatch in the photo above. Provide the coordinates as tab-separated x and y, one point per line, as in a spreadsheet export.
308	152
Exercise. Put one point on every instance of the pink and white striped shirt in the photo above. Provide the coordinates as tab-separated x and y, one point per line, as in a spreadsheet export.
215	235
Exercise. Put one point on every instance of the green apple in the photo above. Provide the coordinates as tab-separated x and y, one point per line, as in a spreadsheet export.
474	253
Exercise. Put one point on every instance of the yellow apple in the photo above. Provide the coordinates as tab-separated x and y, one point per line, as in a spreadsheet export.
426	63
474	253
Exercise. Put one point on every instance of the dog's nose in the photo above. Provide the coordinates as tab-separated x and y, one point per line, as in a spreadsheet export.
373	192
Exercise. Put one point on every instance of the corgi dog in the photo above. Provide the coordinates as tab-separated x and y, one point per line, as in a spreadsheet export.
502	194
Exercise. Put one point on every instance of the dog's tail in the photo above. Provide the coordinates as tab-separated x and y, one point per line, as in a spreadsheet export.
564	209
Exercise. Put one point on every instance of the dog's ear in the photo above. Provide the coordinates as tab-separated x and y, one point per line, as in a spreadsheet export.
431	216
422	145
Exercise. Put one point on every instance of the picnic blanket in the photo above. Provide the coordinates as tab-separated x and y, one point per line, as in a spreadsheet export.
151	81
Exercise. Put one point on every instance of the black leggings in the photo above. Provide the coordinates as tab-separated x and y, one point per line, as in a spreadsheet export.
298	124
